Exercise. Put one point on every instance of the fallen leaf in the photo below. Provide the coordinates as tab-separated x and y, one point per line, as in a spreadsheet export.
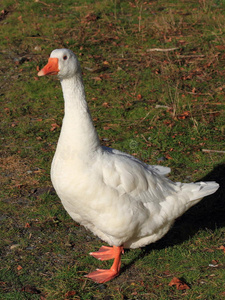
19	268
30	289
208	250
54	126
97	78
20	19
220	47
222	248
184	115
214	262
19	186
167	156
7	110
91	17
180	285
105	104
70	293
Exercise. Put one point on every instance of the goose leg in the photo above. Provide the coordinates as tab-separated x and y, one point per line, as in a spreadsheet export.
106	253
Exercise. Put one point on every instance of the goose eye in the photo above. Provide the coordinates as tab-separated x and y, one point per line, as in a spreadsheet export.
65	57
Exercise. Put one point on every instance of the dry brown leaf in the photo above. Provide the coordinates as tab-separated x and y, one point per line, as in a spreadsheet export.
91	17
180	285
167	156
105	104
184	115
20	19
220	47
70	293
222	248
97	78
30	289
54	126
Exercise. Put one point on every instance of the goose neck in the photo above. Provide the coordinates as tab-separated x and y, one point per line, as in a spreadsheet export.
74	95
78	130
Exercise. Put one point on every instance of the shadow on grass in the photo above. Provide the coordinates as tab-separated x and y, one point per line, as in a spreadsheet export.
209	213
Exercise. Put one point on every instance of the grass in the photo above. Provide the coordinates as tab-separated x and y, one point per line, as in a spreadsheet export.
161	106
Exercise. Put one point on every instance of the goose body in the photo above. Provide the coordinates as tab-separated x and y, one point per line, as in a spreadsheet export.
123	201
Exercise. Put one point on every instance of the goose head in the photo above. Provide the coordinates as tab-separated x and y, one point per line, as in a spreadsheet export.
62	62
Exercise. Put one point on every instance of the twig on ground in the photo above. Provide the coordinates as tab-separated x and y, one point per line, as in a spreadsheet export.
161	50
191	56
162	106
212	151
42	2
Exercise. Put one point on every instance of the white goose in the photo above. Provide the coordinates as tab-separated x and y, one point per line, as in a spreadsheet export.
122	200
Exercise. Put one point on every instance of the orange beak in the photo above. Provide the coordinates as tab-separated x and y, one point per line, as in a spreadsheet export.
51	68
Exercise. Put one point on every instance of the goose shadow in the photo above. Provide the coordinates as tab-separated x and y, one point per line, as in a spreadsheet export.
209	214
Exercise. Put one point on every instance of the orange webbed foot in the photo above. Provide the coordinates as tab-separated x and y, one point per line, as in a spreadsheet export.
106	253
101	275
